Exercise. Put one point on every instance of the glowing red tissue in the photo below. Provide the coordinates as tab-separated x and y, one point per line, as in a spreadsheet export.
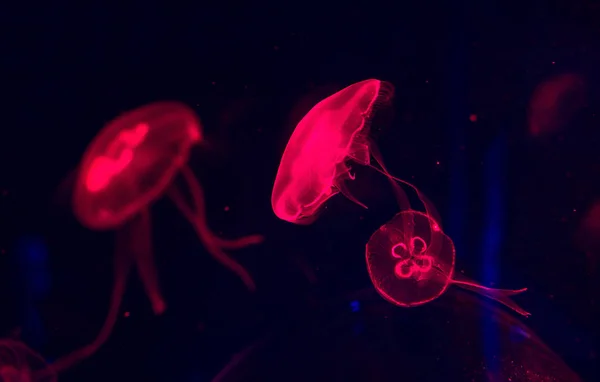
314	166
19	363
316	160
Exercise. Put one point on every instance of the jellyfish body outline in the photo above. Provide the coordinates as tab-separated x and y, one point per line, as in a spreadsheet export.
132	162
403	281
313	166
316	161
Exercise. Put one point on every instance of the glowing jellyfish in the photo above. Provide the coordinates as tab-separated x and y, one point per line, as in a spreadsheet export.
132	162
18	363
315	163
411	262
554	103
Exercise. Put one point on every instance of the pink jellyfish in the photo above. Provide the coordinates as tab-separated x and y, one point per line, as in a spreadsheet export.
18	363
315	163
132	162
411	262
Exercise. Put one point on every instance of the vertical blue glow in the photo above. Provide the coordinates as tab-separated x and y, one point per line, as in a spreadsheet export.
34	279
494	178
494	175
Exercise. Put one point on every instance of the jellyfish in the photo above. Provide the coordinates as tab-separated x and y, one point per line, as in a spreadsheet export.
554	103
19	363
316	161
132	162
411	262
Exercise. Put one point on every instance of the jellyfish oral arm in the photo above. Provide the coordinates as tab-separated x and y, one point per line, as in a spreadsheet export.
230	244
143	255
139	251
500	295
211	245
198	221
198	199
341	187
403	200
19	363
122	267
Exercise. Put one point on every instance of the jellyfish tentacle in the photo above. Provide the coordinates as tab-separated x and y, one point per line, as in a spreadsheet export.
400	194
240	357
240	242
122	267
434	221
340	184
226	260
198	201
429	206
459	278
500	295
208	239
143	256
195	190
18	362
9	346
233	244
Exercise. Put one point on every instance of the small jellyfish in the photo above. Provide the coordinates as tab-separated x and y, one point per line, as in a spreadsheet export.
315	163
18	363
132	162
411	262
554	103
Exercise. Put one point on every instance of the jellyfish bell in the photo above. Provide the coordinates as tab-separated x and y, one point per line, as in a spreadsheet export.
313	166
402	267
128	166
411	262
316	161
113	183
132	162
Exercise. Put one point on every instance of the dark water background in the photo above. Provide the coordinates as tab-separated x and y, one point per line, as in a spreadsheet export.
251	72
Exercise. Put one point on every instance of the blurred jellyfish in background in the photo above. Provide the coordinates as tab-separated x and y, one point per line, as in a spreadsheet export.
132	162
587	237
33	285
18	363
554	104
